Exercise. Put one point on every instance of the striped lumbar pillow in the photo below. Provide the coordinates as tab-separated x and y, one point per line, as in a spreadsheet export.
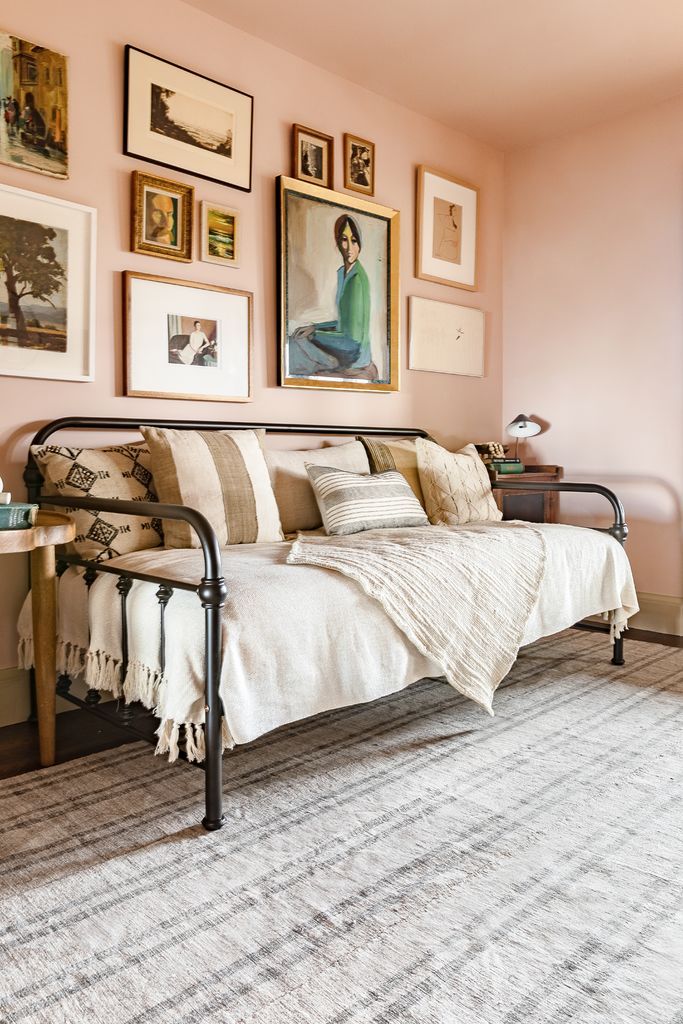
350	502
222	474
394	453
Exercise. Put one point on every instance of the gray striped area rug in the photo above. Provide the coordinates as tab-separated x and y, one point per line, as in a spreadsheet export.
406	861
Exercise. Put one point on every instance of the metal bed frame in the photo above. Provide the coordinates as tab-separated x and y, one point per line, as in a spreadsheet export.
212	589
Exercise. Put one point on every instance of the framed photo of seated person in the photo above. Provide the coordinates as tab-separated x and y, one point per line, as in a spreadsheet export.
338	290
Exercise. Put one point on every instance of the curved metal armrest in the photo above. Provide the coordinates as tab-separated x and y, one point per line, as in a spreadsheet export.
618	529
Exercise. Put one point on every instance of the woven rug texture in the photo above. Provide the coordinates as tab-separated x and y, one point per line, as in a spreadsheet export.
412	860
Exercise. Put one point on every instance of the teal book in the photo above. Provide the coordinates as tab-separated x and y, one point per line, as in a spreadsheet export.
508	467
17	516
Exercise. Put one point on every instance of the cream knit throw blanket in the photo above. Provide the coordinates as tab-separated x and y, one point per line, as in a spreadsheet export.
462	595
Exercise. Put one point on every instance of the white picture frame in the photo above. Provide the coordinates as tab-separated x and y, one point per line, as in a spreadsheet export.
447	227
53	336
445	337
184	339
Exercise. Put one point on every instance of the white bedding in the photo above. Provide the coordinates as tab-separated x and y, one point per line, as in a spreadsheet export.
297	639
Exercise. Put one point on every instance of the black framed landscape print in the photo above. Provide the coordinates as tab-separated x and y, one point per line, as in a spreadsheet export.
180	119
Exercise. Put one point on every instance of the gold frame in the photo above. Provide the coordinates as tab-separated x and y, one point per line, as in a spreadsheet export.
185	195
366	190
421	171
353	205
326	140
204	255
130	392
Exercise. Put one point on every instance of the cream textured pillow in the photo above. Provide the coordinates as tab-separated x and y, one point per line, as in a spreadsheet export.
352	502
121	471
455	485
395	453
293	492
221	473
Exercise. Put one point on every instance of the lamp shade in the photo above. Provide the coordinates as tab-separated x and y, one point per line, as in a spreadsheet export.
522	426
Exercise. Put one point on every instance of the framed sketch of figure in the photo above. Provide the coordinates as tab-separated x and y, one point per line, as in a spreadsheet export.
447	219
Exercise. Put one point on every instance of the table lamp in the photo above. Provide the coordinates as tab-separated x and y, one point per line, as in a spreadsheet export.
522	426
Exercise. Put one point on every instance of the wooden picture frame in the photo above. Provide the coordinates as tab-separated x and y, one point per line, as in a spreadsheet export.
359	164
312	156
221	234
162	216
349	343
180	119
184	339
446	229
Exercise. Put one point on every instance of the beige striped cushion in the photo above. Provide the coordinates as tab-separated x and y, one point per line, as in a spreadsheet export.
456	485
352	502
223	474
395	453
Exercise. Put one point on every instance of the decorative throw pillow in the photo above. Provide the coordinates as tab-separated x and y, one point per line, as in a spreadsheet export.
121	471
223	474
293	492
455	485
350	502
395	453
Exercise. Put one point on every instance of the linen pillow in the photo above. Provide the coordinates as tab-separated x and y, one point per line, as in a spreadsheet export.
293	492
223	474
120	471
351	502
395	453
455	485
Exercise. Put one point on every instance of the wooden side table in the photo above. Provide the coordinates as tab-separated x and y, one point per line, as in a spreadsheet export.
51	528
532	506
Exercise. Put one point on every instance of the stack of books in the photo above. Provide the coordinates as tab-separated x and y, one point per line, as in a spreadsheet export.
17	515
507	465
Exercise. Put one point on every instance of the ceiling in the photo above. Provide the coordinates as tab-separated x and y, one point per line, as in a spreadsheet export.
508	72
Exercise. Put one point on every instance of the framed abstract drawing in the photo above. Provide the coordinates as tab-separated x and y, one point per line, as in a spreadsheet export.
162	217
446	242
312	156
47	287
220	235
34	107
186	340
445	338
183	120
338	290
359	164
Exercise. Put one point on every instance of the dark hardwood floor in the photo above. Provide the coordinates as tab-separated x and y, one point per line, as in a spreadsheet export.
80	733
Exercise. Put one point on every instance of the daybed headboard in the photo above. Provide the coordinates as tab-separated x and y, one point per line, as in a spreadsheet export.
33	478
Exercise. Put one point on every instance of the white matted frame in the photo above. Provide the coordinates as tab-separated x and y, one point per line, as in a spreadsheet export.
52	334
160	314
445	338
447	229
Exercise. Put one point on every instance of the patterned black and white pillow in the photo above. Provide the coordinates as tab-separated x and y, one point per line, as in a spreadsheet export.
351	502
121	471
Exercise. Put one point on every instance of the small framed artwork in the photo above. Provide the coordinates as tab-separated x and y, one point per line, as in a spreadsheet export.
34	107
445	338
186	340
312	156
161	224
183	120
221	231
446	243
359	164
47	287
338	290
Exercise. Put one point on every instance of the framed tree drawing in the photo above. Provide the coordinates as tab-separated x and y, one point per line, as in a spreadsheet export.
47	287
446	239
183	120
338	290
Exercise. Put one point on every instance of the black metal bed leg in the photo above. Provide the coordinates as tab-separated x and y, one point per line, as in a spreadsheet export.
213	594
618	651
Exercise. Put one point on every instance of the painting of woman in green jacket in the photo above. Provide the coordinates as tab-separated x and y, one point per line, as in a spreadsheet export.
341	347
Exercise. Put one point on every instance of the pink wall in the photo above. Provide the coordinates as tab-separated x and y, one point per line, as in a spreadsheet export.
286	89
593	300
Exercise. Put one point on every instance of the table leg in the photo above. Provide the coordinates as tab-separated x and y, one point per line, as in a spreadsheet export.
45	647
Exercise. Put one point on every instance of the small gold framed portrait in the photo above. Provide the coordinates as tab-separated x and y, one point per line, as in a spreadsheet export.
162	217
312	156
221	231
359	165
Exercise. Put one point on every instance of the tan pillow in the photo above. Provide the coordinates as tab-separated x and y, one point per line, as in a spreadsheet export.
121	471
395	453
223	474
455	485
293	492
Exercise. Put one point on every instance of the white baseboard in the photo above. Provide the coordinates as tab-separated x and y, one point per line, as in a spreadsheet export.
659	614
15	700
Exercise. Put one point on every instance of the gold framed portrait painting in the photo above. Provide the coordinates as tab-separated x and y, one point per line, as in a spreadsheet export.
162	219
312	156
220	235
359	165
447	225
338	294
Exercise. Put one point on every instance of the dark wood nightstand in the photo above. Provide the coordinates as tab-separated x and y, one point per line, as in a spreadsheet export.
532	506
